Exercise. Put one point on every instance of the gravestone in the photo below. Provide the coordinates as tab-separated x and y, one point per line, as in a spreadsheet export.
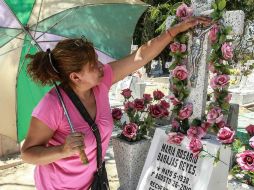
135	84
156	68
244	94
173	167
200	6
166	168
198	94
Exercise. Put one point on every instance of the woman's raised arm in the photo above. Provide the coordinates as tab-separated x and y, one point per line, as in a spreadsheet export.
152	48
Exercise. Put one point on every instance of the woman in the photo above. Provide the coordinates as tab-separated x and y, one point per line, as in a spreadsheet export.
49	143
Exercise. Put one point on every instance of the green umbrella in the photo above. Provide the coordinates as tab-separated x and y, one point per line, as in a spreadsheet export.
27	26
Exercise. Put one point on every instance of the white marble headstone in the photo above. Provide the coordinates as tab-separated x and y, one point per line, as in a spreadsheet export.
173	167
200	6
235	19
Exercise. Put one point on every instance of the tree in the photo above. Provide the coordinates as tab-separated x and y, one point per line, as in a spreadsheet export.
244	45
246	5
152	23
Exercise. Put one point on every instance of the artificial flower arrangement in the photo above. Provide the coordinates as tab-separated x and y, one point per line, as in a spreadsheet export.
244	167
220	63
140	114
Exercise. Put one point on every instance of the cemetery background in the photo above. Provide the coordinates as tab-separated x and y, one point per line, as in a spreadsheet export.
14	174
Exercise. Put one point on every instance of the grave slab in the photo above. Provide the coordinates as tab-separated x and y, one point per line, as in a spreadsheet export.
173	167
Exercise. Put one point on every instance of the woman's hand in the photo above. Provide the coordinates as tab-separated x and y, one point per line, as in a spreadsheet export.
189	23
73	143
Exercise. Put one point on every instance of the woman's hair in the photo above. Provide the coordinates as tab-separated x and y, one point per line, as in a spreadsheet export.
68	56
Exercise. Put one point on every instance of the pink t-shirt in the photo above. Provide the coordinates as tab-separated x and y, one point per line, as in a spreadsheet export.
69	173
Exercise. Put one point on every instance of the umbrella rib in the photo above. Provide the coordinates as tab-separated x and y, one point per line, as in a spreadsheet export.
37	23
13	36
21	65
49	41
12	50
21	25
55	24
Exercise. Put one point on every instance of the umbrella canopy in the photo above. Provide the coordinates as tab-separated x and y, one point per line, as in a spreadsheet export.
29	26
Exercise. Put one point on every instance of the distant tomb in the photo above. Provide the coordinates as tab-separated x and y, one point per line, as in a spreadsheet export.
244	93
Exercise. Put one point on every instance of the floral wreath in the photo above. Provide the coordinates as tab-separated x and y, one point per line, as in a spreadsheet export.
220	62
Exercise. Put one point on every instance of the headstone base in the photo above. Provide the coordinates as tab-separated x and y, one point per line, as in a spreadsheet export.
130	159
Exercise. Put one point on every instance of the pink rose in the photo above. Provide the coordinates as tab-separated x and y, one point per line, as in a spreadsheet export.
251	142
227	51
130	130
185	112
183	11
196	132
177	47
174	100
126	93
129	106
164	104
147	98
175	138
157	94
219	81
117	113
213	33
175	125
183	48
205	126
195	146
139	104
165	112
156	111
226	135
246	160
250	130
180	72
214	115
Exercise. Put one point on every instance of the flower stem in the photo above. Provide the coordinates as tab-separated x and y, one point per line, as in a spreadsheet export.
214	157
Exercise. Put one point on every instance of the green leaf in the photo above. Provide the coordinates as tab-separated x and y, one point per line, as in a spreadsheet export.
175	80
186	92
183	39
227	30
179	86
216	46
222	39
216	15
225	106
196	122
154	13
217	159
214	6
181	96
238	146
172	66
222	4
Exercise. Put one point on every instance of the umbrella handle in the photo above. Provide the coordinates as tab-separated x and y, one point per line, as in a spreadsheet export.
83	156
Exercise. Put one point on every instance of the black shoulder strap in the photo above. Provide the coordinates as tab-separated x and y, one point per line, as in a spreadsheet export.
82	110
